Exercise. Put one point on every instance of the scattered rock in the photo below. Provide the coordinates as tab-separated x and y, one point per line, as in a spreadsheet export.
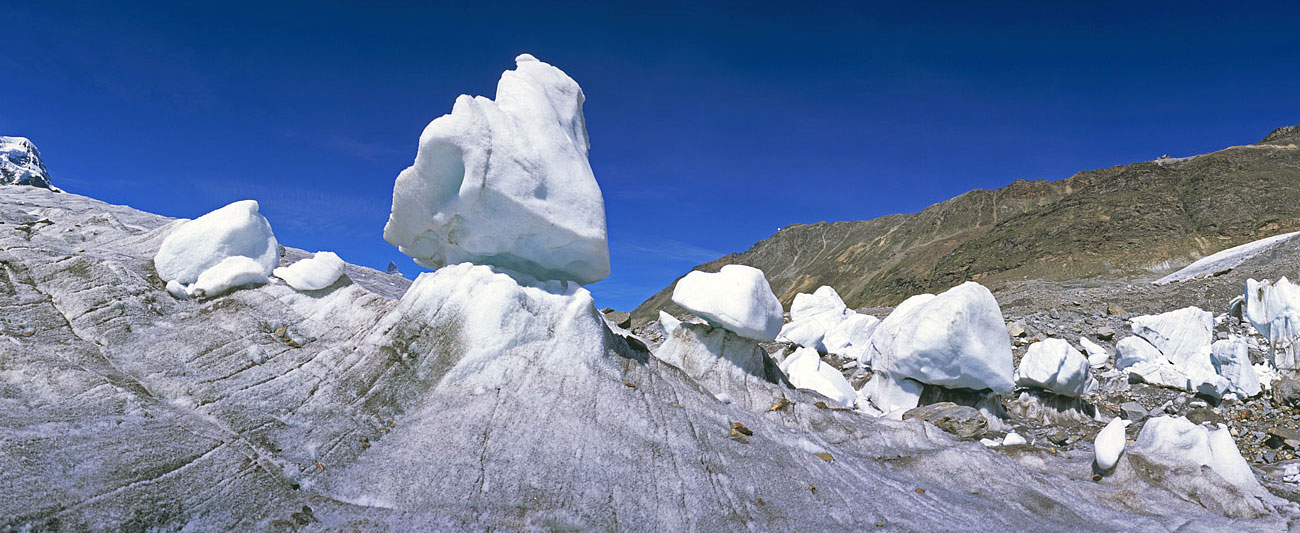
1016	328
1105	333
619	318
1287	392
1132	411
964	422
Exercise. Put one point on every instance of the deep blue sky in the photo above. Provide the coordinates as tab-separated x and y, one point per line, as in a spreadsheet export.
712	124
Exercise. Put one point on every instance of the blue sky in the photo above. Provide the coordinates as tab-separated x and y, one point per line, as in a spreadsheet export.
712	124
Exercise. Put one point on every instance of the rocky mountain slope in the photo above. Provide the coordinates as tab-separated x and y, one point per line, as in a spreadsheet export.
1120	222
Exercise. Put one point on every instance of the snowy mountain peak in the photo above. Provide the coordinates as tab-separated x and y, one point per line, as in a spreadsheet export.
20	163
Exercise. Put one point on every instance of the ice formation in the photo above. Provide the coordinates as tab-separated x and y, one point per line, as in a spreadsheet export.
1178	441
1055	366
851	337
1274	310
232	272
806	370
727	365
1109	444
490	318
956	340
1097	355
736	298
506	183
1231	359
1182	338
313	274
812	316
197	245
20	163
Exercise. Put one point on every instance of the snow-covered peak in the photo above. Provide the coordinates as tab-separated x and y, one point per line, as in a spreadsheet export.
20	163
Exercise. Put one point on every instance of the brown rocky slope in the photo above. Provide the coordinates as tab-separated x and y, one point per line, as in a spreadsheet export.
1123	222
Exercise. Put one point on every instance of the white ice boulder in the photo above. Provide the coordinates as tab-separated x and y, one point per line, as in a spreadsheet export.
197	245
1183	336
232	272
1274	310
806	370
956	340
1055	366
1231	358
736	298
312	274
1109	444
850	338
1130	351
1179	442
506	183
812	316
1097	355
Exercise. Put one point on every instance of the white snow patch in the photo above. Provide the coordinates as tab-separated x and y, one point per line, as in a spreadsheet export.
1225	259
1097	355
1179	441
232	272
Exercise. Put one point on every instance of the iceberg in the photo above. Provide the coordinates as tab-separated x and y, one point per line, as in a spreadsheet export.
506	183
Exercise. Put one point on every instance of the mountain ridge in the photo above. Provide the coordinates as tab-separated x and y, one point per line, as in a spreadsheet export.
1127	220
